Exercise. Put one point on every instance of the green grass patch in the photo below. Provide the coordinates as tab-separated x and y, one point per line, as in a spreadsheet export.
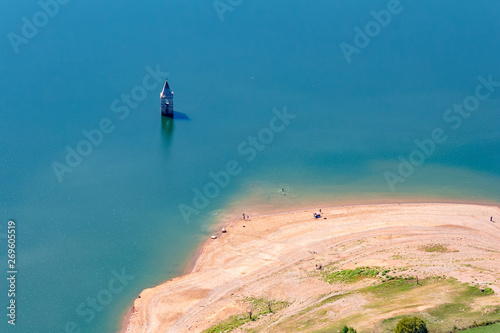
449	309
349	275
229	324
434	248
394	286
495	328
259	306
475	291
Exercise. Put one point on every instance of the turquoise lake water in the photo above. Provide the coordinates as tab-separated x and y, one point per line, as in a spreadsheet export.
116	210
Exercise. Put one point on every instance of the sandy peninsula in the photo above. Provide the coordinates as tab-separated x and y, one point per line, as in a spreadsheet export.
277	257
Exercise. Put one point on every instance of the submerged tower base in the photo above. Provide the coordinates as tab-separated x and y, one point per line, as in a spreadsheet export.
167	110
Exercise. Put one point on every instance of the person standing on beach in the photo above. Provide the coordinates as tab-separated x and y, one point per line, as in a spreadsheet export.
243	216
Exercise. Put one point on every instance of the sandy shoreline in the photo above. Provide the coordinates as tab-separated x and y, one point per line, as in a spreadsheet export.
222	261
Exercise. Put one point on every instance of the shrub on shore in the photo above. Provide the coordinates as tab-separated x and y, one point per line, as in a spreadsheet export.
411	325
346	329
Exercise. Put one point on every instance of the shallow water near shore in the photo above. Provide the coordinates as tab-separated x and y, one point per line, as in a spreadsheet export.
117	212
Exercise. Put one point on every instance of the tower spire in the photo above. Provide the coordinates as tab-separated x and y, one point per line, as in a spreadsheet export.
166	88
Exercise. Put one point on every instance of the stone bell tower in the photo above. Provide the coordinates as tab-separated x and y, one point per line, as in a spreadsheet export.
167	101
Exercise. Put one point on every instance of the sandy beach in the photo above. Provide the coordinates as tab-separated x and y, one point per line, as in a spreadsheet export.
277	256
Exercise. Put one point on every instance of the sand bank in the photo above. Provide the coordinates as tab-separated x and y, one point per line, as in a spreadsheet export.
274	255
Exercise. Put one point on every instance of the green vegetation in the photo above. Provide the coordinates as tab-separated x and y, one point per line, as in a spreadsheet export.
474	291
495	328
458	311
460	307
400	293
435	248
349	275
447	302
411	325
346	329
229	324
394	286
258	307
